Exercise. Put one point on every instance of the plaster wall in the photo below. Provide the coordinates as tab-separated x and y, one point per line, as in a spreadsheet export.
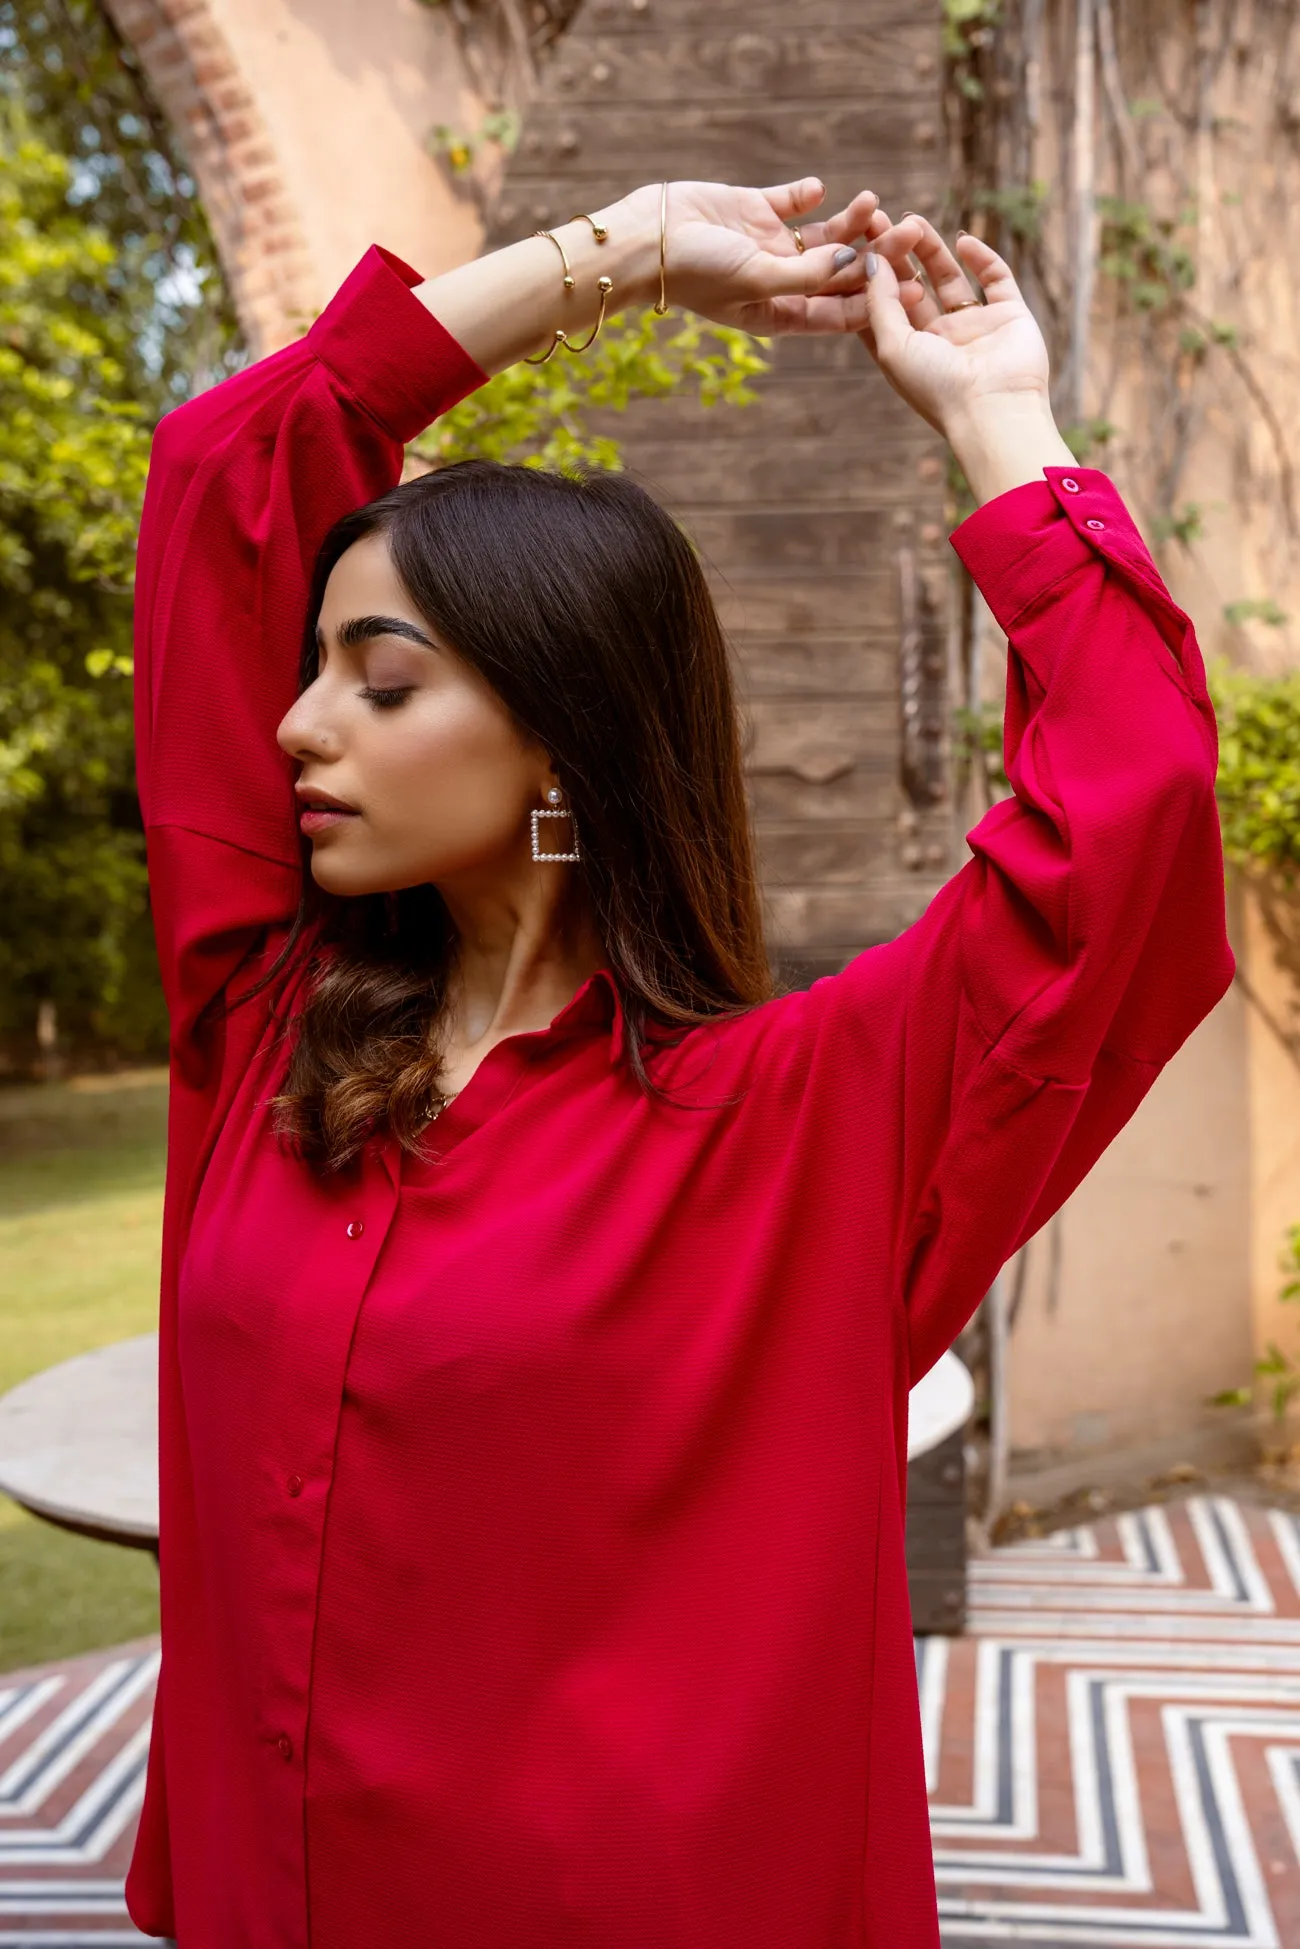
1141	1306
349	94
306	123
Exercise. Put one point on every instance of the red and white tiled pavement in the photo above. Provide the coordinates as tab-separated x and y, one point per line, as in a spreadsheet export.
1113	1749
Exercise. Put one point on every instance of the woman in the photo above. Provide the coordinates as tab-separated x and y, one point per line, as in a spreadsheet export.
541	1295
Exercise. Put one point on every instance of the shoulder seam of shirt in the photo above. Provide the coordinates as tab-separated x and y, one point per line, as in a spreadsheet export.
219	839
353	394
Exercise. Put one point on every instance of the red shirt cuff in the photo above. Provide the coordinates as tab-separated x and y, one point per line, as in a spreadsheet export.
389	351
1021	544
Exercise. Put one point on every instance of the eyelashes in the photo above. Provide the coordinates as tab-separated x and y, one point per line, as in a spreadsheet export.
387	700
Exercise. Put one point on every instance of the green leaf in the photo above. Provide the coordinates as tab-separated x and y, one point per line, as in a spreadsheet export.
1256	609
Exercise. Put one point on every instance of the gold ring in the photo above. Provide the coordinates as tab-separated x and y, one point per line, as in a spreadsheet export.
963	304
799	243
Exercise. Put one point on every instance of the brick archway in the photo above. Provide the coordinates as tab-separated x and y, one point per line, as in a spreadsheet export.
306	124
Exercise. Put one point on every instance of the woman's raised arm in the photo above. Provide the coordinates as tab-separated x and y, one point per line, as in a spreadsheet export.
247	479
1015	1028
244	483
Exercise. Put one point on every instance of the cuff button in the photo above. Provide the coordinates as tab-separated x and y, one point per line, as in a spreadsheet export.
1094	523
1070	485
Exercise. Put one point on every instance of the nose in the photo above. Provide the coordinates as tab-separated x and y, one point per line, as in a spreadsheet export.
302	732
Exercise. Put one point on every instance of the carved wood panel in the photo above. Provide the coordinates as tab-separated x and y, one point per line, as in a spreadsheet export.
818	510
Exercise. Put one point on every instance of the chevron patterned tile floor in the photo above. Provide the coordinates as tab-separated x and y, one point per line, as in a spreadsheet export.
1113	1749
73	1742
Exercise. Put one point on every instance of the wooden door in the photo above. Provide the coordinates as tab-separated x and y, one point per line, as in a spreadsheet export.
818	510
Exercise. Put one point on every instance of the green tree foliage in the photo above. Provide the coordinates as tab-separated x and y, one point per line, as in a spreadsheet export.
110	309
1259	767
550	415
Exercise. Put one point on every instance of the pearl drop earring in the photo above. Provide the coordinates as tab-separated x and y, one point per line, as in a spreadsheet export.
553	809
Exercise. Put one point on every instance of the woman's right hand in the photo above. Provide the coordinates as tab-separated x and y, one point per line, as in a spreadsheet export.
941	360
980	374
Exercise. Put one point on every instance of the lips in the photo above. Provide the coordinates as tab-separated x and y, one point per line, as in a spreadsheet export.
314	801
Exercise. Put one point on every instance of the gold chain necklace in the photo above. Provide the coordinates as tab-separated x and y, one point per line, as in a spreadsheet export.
437	1103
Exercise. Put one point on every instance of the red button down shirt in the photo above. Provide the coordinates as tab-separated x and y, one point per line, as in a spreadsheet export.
532	1518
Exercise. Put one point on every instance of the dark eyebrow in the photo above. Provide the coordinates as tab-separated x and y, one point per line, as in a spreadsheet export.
363	629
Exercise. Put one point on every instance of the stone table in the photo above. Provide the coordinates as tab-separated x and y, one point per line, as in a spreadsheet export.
939	1406
938	1411
79	1443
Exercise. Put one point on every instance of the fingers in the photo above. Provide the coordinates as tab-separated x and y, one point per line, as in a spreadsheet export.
992	272
836	266
856	220
948	280
794	199
888	326
860	220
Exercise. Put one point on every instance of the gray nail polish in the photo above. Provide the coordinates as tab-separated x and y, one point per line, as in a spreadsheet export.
843	257
873	263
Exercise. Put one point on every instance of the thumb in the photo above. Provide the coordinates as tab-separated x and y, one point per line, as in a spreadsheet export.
807	273
887	320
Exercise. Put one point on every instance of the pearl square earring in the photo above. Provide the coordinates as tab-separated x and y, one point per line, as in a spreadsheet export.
553	810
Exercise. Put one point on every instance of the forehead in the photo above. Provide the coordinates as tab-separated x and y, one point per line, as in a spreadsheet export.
363	582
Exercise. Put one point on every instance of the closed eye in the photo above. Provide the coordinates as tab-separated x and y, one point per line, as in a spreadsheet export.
385	700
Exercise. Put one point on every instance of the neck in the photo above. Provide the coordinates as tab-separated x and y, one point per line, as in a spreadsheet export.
518	961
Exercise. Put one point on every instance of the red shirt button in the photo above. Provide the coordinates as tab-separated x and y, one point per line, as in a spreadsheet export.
356	1228
286	1746
1094	523
295	1485
1070	485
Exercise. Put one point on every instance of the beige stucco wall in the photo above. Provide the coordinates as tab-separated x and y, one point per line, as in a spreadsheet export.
1151	1311
349	93
306	124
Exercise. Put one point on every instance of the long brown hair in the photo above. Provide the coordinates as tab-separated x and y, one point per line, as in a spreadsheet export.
584	606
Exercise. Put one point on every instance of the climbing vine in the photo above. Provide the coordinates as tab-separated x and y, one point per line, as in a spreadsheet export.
1082	143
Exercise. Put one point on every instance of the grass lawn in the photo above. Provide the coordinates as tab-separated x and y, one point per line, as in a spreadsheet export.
81	1185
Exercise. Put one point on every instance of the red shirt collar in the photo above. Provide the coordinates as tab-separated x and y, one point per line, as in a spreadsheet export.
596	1002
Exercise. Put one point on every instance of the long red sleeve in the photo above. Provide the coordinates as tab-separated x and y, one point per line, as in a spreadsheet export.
1033	1004
244	483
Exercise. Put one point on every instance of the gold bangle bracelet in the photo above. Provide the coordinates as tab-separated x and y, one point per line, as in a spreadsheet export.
604	285
662	306
598	230
561	338
552	239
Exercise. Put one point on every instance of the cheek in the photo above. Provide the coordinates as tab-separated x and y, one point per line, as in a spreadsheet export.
447	768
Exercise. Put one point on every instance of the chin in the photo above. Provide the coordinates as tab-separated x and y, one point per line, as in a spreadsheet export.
349	882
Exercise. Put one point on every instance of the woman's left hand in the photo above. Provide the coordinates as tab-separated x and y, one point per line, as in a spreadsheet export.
732	254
